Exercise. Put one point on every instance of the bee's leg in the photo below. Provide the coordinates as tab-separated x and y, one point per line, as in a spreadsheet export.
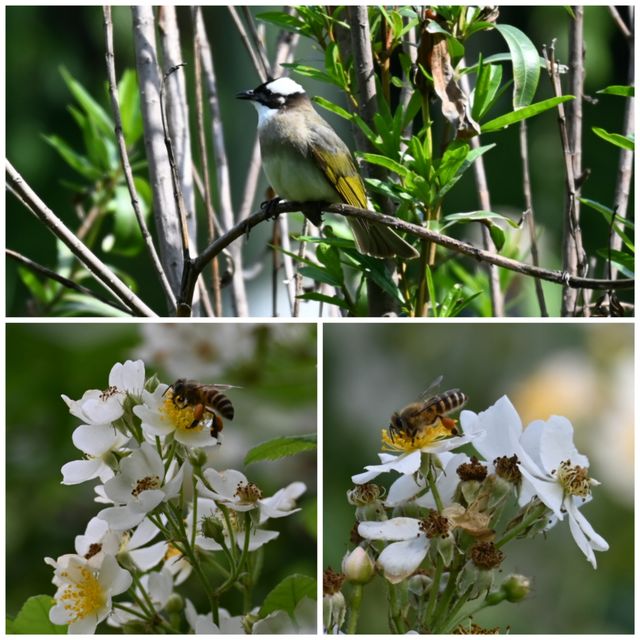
198	412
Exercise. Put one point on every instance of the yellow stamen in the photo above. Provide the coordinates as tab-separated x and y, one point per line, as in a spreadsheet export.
427	436
183	417
84	596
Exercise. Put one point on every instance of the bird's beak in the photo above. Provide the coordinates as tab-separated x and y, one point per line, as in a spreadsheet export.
246	95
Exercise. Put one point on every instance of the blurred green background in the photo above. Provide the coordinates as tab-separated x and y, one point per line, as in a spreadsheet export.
70	36
276	368
584	372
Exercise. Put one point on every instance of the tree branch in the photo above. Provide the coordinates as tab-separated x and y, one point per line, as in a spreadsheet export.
196	266
98	269
126	165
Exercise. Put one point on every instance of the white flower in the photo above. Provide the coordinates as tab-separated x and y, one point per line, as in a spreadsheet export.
145	557
161	417
138	488
552	468
406	487
232	489
403	556
280	622
210	517
408	462
98	441
158	587
83	597
104	407
97	540
203	624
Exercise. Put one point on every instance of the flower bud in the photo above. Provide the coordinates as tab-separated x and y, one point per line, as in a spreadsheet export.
516	587
212	528
175	603
197	457
358	566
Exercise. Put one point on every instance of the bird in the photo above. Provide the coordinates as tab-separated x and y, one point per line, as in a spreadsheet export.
305	160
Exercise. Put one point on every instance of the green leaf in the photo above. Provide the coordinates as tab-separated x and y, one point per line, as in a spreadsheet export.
321	297
128	237
34	617
129	98
91	108
76	161
311	72
281	447
616	139
284	20
486	90
623	261
497	235
476	216
619	90
526	67
452	160
334	108
320	275
286	595
387	163
507	119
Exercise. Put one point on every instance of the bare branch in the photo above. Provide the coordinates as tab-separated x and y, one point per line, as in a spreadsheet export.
482	186
621	24
240	303
625	162
531	225
65	282
260	64
126	166
98	269
149	80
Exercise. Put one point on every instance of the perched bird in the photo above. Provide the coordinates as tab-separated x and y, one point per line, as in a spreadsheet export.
305	160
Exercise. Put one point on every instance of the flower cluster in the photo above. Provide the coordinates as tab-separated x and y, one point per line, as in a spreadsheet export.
441	529
166	515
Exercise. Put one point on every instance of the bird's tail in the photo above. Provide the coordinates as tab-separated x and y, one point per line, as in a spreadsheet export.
379	241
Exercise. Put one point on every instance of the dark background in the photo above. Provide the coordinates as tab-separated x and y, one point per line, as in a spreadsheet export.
72	37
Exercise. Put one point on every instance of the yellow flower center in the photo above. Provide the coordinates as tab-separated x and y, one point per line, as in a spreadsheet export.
183	417
429	435
84	596
574	479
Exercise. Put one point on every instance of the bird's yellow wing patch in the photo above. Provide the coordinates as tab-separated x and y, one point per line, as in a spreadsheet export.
341	172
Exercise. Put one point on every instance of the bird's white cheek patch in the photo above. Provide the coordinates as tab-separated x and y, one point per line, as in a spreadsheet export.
264	113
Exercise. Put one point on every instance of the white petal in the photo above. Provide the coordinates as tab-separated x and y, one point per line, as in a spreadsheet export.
121	518
148	557
113	577
549	491
403	489
78	471
128	377
225	483
400	559
394	529
258	538
97	439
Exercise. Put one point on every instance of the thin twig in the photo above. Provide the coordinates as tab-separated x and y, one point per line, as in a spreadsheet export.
627	32
625	162
204	158
298	276
482	188
357	18
126	165
98	269
149	81
259	63
531	225
239	294
65	282
258	42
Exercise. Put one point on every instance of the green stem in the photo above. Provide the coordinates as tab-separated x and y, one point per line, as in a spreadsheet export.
396	617
354	608
433	593
434	489
443	605
452	623
523	526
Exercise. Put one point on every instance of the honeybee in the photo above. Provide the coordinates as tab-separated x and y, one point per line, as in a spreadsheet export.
417	416
204	398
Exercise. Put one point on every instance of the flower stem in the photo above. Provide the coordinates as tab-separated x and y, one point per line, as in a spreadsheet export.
523	526
433	593
354	608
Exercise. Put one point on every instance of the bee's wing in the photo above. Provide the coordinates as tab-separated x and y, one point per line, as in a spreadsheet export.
220	387
430	391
